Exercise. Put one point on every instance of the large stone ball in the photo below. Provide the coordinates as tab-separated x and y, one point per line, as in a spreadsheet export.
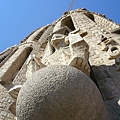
60	93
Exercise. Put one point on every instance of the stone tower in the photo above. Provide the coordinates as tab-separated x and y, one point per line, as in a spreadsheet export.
67	70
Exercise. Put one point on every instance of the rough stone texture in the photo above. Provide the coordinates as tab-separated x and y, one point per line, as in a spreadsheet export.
5	101
44	38
36	35
101	34
75	53
114	108
60	93
20	78
5	53
104	23
12	66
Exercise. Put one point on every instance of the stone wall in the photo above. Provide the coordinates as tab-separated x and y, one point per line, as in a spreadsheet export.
104	23
104	71
5	102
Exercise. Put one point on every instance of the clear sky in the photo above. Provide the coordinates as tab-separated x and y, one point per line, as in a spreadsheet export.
18	18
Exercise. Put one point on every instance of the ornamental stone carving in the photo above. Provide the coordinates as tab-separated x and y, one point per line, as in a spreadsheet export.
109	45
69	50
67	70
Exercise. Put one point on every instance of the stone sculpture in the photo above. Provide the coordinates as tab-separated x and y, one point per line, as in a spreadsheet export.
67	70
109	45
54	97
69	50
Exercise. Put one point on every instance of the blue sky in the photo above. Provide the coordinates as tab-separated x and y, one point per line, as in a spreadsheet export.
18	18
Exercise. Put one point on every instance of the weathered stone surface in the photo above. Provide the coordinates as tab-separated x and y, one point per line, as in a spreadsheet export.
12	66
60	93
69	50
113	108
5	102
14	91
85	40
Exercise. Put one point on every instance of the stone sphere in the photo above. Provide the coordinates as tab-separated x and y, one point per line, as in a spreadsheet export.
60	93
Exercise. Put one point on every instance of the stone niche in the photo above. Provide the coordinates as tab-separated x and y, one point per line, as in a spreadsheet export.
13	65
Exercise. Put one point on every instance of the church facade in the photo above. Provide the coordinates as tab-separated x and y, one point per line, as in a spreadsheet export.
41	68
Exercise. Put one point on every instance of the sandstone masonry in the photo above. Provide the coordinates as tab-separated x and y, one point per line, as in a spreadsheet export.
82	39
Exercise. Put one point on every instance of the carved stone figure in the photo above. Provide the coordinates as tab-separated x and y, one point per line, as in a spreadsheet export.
69	50
67	70
62	50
